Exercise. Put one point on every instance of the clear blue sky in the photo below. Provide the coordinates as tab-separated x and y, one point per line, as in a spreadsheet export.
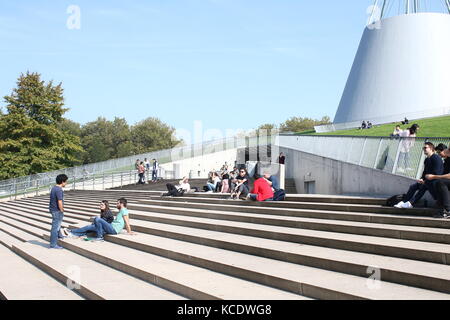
228	63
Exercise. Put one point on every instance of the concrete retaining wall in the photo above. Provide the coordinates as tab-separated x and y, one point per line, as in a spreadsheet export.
340	178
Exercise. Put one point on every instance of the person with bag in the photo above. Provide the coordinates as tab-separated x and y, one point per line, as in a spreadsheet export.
278	193
262	191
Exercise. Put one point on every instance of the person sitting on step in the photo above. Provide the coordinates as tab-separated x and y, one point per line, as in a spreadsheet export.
214	183
120	222
262	190
241	185
442	190
180	189
105	214
433	165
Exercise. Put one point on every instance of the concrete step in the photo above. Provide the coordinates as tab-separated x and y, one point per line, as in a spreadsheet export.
307	205
413	273
37	209
437	235
309	213
17	215
313	282
91	279
315	214
27	282
289	197
37	253
415	250
35	214
185	279
265	293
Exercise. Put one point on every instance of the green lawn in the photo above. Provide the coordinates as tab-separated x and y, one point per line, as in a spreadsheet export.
433	127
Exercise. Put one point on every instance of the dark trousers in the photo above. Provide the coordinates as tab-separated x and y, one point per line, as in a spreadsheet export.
421	189
141	178
172	191
442	191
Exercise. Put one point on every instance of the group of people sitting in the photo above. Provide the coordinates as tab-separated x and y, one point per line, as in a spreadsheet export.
366	125
235	182
106	223
435	179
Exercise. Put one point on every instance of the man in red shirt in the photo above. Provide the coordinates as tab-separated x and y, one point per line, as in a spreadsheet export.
262	191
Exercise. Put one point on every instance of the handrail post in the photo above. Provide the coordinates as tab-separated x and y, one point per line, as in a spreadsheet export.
103	181
378	153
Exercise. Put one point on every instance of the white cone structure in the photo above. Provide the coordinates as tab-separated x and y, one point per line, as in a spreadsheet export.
401	69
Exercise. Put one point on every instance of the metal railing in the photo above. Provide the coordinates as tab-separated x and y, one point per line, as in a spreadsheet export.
401	156
113	168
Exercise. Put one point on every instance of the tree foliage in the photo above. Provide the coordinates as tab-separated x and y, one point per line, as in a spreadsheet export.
298	124
31	140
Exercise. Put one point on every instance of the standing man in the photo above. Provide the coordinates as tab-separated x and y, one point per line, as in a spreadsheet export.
155	170
281	158
56	208
147	168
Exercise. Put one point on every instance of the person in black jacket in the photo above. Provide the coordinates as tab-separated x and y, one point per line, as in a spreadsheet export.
443	152
433	165
442	188
105	214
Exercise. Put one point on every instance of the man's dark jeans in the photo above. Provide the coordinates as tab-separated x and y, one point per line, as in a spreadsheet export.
421	189
442	190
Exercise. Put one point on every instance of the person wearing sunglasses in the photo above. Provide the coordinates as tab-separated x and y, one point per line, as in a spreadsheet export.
241	189
433	165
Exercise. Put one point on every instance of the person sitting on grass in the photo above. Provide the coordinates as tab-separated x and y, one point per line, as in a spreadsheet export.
262	190
105	214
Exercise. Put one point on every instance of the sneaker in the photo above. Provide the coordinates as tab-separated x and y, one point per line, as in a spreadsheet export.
65	232
98	240
57	247
399	205
444	214
407	205
72	236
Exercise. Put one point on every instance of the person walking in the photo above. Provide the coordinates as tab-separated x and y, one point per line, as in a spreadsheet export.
141	171
56	209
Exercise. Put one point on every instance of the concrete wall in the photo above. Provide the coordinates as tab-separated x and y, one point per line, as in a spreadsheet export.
340	178
204	164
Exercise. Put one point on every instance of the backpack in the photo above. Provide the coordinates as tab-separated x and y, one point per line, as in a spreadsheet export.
392	201
279	195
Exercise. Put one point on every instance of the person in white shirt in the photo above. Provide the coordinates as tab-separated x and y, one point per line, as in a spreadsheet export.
215	180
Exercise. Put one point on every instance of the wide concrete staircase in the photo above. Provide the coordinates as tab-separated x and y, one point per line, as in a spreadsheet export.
205	246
